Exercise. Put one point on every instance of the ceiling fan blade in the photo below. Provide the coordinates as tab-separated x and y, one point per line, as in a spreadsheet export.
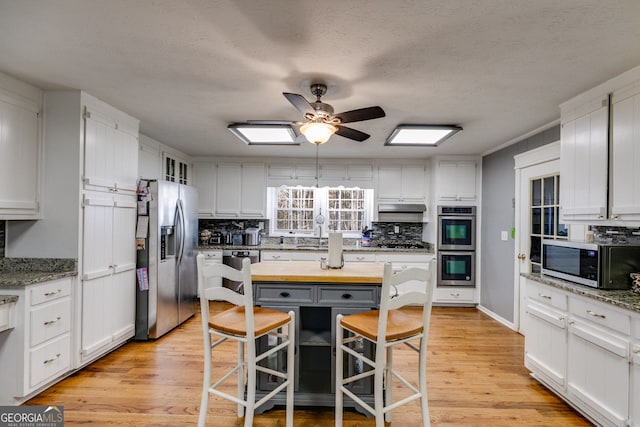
360	114
351	133
299	102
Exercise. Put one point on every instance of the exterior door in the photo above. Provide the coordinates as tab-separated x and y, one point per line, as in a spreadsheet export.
537	163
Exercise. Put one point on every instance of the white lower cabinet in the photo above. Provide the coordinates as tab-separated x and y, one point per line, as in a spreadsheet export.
635	378
583	353
37	352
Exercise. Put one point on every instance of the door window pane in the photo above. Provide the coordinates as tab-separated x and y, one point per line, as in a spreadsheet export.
544	214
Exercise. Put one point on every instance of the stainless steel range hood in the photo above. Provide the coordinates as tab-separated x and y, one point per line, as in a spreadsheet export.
401	208
401	212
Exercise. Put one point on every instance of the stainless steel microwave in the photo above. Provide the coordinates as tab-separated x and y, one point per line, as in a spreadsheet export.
604	266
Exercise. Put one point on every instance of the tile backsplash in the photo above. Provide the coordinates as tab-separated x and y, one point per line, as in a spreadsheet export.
623	235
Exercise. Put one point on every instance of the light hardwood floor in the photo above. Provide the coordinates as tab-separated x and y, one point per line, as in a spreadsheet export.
475	368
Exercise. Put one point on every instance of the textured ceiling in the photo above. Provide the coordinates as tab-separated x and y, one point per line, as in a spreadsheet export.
498	68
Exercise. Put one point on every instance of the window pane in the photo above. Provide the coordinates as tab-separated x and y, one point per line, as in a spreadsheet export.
549	190
534	252
536	191
561	229
549	221
536	221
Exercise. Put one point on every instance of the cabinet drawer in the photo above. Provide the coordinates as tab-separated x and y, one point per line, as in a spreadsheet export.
49	361
50	291
465	295
283	294
306	256
359	257
274	256
50	321
546	295
340	296
611	318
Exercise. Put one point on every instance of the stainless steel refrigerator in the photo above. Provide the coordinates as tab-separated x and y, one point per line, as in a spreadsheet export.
169	255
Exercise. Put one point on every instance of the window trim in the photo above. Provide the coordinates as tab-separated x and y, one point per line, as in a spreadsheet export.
321	202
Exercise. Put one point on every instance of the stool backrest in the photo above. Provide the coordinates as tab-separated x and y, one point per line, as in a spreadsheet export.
220	293
422	296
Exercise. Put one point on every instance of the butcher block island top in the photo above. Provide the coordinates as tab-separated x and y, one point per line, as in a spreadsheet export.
310	271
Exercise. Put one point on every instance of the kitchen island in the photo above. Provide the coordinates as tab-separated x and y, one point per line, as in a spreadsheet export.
316	296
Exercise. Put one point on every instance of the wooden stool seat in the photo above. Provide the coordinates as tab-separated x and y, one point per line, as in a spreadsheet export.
399	325
233	321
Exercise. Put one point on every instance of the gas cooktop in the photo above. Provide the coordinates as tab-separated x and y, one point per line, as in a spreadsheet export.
401	245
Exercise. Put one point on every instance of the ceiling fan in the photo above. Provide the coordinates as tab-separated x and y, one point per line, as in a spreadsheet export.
320	122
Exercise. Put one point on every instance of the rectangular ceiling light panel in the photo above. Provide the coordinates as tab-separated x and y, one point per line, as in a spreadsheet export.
421	135
264	134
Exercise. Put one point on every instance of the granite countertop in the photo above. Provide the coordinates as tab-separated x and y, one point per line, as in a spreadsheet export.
624	299
8	299
310	248
17	272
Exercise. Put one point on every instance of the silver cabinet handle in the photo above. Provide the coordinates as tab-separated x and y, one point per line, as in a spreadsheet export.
53	359
544	296
50	322
455	295
594	314
48	294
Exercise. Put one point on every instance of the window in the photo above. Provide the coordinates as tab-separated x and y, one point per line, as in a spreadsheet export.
545	216
171	174
303	210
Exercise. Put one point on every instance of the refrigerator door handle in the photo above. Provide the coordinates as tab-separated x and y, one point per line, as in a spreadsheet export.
181	231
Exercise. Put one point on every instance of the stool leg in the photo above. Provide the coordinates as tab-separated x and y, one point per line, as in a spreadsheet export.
339	370
241	376
388	380
251	384
424	401
379	385
206	383
291	349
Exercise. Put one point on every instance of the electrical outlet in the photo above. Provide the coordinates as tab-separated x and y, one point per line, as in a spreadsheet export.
396	229
504	235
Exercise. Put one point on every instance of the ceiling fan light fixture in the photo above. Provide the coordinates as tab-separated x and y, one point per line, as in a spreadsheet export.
264	134
318	132
421	135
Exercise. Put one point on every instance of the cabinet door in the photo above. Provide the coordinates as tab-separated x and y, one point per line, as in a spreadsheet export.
97	303
456	180
99	150
97	253
19	165
604	390
583	165
253	191
546	344
125	166
625	173
390	182
635	382
413	183
204	179
124	229
228	187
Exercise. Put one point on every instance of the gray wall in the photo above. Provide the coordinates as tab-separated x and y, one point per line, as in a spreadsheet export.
498	194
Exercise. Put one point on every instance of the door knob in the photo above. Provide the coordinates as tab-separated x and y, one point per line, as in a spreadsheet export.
522	257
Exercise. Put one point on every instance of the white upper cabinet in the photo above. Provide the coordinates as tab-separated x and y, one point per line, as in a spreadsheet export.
456	180
291	174
625	154
600	153
204	179
583	159
20	149
401	183
240	190
110	152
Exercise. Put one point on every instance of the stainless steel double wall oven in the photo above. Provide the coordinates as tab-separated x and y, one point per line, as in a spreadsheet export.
456	245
